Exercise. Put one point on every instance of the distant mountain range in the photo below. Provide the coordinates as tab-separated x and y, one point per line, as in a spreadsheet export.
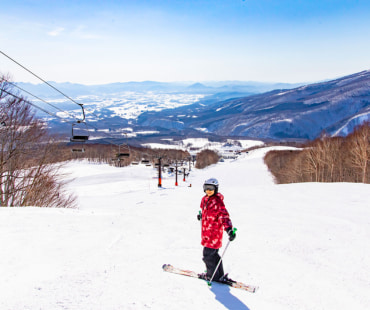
217	109
74	90
301	113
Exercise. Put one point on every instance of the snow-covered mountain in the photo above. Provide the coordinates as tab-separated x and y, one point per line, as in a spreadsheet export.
113	109
218	109
335	106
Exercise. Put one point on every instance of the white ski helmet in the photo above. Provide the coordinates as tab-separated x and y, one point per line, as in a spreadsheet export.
213	182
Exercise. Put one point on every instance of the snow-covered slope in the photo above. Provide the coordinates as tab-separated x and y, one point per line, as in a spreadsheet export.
305	245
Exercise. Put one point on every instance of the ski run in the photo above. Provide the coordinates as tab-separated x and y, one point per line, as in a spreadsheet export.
305	245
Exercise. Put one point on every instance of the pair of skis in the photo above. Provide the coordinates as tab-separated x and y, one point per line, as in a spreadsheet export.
189	273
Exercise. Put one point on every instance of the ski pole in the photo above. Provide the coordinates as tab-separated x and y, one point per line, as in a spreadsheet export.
219	262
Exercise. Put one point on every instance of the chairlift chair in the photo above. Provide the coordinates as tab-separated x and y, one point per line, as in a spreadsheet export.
79	134
120	155
123	154
75	150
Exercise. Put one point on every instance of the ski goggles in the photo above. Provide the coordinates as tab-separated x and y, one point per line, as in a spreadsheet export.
208	187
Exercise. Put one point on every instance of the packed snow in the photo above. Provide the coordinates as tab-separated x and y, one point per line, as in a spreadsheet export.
304	245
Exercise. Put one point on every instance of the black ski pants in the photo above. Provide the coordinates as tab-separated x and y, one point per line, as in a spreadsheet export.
211	259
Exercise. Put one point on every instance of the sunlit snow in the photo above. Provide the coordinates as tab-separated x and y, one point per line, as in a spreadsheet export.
305	245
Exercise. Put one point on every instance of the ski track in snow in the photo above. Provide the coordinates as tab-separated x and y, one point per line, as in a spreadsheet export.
304	245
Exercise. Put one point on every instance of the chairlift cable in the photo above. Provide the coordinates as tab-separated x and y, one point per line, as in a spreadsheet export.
38	98
36	106
41	79
79	104
49	113
47	83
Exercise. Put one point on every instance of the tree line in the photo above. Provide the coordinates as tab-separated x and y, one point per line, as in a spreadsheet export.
326	159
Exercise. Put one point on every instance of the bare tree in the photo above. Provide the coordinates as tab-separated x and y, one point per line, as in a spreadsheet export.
27	176
360	150
206	158
327	159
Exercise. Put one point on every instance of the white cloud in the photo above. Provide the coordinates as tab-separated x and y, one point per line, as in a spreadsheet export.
56	32
81	32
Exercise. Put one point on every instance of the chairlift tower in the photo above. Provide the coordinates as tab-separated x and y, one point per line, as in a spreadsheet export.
176	183
159	172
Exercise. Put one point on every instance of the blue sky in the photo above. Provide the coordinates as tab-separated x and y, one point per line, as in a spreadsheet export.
96	42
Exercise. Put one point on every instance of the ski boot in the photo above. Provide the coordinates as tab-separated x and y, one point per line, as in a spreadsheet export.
204	276
225	279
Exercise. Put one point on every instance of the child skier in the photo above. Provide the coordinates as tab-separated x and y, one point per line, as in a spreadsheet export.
215	219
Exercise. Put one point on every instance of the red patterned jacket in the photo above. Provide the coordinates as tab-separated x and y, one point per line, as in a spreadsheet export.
215	219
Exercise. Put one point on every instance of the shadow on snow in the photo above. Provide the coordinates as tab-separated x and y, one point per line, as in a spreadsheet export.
223	295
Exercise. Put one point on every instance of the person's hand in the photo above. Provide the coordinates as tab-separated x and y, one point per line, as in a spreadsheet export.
231	233
199	216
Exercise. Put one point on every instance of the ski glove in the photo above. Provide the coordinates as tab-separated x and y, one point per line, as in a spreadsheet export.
231	233
199	216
